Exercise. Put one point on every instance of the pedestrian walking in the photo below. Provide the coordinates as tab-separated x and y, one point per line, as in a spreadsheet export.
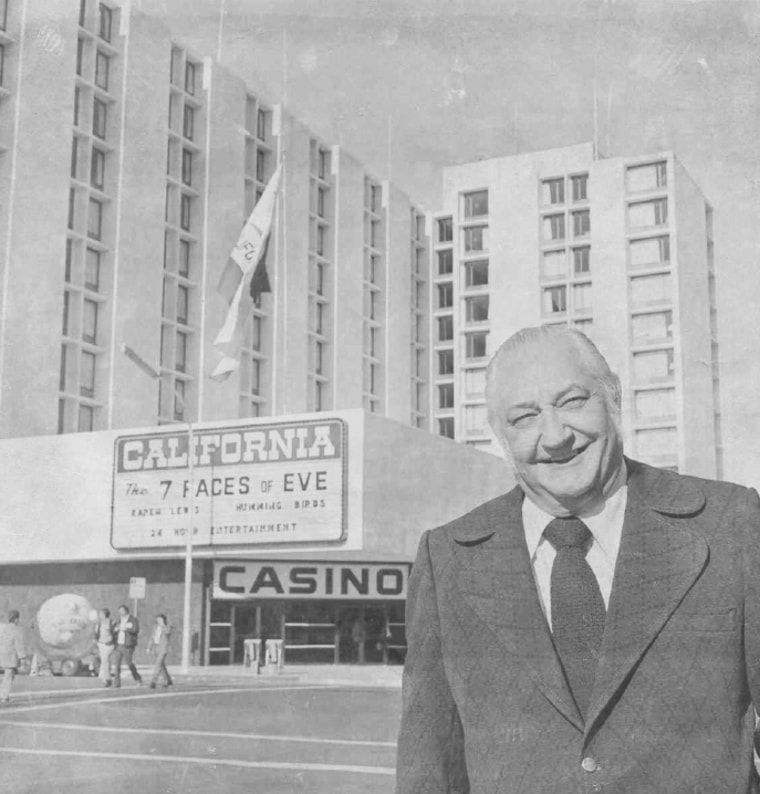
159	644
126	629
105	639
11	652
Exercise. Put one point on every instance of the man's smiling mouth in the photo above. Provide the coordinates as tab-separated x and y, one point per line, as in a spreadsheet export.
567	458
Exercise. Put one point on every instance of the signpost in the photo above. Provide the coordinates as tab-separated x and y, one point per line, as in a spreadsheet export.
136	591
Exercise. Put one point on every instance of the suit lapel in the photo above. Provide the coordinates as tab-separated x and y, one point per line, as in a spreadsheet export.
496	580
660	558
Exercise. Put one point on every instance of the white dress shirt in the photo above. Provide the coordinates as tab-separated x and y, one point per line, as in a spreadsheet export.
606	528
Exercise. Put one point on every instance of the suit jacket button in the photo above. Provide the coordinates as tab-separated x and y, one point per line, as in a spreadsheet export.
589	764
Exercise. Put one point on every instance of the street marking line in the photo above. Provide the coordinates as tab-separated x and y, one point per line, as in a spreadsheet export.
72	726
145	695
184	759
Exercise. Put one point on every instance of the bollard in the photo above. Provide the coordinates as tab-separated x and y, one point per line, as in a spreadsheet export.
252	654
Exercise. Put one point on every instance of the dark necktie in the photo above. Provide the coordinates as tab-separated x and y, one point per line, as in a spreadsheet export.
577	606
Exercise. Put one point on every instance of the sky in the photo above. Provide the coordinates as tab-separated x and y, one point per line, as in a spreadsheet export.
409	88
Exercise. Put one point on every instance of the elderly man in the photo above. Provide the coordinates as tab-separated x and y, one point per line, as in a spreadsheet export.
595	629
11	652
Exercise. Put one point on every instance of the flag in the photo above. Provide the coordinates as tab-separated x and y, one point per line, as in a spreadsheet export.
245	278
136	358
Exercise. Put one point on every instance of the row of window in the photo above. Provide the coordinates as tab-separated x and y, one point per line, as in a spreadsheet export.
104	19
553	190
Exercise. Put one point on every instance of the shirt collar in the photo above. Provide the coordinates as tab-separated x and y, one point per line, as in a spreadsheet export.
606	526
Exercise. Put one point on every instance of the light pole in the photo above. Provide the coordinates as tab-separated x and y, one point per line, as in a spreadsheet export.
140	362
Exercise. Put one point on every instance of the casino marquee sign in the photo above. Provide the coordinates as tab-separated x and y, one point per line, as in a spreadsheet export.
256	485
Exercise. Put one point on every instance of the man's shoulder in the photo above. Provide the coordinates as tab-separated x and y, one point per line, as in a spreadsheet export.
483	519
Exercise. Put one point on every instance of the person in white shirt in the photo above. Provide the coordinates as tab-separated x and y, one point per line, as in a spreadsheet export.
159	643
105	639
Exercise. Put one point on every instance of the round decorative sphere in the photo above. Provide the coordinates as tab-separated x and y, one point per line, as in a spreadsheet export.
64	624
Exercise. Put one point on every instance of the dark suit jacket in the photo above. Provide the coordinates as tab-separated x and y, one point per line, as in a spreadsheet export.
486	705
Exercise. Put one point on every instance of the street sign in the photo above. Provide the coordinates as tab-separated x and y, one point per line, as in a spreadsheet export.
137	587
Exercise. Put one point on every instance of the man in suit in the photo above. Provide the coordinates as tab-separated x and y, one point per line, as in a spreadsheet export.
11	652
595	629
126	629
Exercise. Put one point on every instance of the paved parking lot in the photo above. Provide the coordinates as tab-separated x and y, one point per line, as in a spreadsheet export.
230	736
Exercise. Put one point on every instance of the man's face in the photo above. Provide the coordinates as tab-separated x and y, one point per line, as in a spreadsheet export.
123	612
558	425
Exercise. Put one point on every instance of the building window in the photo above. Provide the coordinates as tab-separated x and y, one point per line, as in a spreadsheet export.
67	261
476	273
62	375
445	328
66	304
99	118
652	176
72	207
184	258
321	240
104	22
319	395
445	230
319	319
320	279
98	168
475	420
476	344
656	443
101	70
319	357
87	374
77	90
582	298
653	366
555	300
261	125
80	56
188	122
553	191
474	382
554	227
183	302
644	214
650	251
261	162
651	289
187	167
445	362
374	234
445	262
86	420
255	377
655	404
190	78
322	158
90	321
3	14
581	223
582	260
92	269
95	219
555	264
579	185
476	204
476	309
445	295
475	238
321	202
418	290
256	333
180	358
180	392
446	395
446	427
74	157
650	329
185	211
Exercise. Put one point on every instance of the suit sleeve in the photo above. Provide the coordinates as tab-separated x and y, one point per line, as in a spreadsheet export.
751	575
431	740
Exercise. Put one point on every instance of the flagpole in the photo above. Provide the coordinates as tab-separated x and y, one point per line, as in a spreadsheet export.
187	600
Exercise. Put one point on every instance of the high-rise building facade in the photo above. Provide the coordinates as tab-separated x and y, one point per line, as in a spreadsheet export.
621	248
128	165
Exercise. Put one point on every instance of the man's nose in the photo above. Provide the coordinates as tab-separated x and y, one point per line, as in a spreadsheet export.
554	432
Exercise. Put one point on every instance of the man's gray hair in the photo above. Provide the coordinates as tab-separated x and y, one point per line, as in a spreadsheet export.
585	348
